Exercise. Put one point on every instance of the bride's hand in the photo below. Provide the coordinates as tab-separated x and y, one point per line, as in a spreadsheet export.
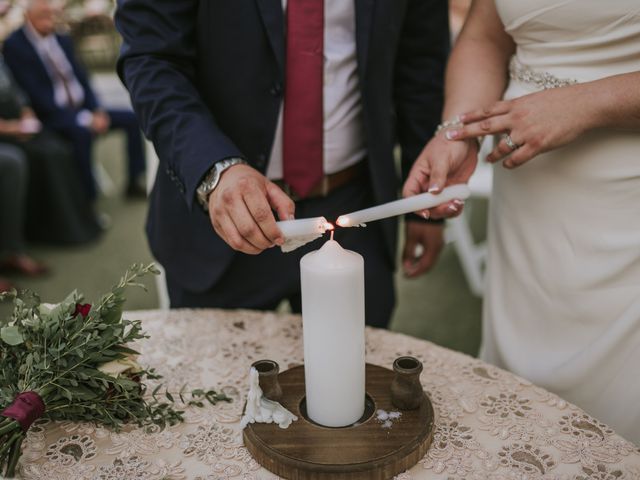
442	163
534	123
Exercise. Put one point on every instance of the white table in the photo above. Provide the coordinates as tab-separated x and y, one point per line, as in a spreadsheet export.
490	423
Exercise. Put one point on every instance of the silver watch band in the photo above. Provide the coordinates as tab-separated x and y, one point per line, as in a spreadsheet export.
212	178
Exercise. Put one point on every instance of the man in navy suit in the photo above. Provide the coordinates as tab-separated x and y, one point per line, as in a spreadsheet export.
44	65
292	106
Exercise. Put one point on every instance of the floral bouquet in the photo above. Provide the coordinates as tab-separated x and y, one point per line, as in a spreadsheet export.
71	361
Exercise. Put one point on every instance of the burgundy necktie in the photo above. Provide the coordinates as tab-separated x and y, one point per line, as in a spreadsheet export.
303	112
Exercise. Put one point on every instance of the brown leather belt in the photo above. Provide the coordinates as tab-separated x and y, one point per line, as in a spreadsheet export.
328	183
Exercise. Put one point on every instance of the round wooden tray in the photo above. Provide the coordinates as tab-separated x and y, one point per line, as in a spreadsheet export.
366	450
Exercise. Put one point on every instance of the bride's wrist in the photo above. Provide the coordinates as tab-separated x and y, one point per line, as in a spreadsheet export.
455	124
450	124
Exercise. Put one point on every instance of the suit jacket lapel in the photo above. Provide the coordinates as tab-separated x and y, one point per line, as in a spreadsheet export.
35	57
364	20
273	19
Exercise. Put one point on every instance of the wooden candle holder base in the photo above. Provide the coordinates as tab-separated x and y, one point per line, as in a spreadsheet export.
365	450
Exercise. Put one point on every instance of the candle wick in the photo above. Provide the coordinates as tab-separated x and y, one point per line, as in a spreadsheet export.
332	231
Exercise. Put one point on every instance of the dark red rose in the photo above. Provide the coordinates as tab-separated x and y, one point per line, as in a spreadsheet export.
82	309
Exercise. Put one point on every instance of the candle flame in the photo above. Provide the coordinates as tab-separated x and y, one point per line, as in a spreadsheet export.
329	226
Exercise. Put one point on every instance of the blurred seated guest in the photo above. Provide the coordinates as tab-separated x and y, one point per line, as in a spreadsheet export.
13	191
46	68
57	208
5	285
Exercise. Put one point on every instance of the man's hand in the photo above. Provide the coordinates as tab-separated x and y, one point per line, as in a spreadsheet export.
100	122
438	166
422	246
13	128
29	123
240	209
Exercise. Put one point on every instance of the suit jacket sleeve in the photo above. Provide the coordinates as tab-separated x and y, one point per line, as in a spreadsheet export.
157	65
419	76
17	57
90	99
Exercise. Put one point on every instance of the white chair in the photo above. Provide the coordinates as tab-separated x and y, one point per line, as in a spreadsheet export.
113	94
472	255
161	280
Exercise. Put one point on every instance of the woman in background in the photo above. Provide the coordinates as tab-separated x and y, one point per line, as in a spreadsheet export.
14	175
57	209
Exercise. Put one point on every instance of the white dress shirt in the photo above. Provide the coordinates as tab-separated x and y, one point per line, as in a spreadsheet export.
344	138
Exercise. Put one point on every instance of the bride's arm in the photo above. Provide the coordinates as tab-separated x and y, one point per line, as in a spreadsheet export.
477	72
616	101
549	119
477	75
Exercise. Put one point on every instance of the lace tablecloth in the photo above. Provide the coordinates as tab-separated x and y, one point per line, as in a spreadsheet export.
490	423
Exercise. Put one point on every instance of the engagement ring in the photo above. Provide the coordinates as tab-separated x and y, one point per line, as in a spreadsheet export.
509	141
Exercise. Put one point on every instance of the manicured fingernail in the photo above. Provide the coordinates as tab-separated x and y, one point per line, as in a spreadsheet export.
458	202
462	118
433	188
453	208
451	134
279	241
425	215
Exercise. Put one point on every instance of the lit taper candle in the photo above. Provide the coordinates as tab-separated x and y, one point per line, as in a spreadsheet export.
406	205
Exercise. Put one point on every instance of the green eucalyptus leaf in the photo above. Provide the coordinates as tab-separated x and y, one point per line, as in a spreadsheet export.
11	335
59	355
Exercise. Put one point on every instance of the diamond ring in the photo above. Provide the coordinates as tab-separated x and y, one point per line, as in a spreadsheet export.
509	141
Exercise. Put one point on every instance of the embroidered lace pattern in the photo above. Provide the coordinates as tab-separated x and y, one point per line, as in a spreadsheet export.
490	424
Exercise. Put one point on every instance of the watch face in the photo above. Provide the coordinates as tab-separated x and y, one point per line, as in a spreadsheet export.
213	177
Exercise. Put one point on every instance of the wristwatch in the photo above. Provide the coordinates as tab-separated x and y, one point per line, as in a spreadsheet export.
212	178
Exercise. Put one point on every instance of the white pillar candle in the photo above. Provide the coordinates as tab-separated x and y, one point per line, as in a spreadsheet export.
405	205
333	327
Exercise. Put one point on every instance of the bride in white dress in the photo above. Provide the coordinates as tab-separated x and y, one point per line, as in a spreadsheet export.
562	306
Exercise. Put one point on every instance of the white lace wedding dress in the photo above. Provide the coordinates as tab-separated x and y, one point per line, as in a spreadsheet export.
563	302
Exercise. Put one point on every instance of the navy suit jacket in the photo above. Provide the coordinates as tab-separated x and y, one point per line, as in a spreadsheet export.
31	74
206	79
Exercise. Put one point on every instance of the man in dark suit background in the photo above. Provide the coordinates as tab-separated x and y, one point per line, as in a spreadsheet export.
44	65
249	99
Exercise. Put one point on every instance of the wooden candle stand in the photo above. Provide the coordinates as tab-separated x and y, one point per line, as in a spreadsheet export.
365	450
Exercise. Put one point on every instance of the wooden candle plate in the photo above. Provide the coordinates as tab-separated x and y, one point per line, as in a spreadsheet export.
366	450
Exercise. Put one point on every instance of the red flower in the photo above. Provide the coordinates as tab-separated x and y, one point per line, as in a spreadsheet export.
82	309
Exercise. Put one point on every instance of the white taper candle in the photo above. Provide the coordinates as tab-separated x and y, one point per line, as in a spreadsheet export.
299	232
405	205
303	227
